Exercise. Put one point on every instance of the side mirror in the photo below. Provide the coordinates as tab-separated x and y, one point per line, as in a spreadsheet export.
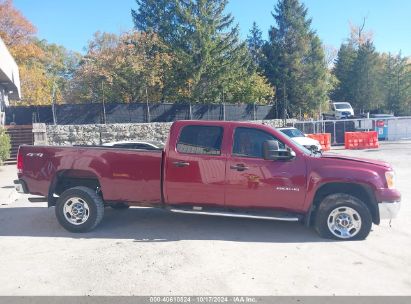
271	151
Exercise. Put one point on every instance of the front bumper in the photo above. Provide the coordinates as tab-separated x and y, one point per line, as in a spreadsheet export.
389	210
20	186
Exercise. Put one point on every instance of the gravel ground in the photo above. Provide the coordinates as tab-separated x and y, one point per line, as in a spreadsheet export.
144	251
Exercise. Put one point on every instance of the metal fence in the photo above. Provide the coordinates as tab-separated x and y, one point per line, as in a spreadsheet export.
392	128
135	113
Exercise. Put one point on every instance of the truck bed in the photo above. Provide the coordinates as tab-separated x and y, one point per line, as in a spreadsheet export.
123	174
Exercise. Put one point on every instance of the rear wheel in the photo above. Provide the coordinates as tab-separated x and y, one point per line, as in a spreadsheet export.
342	216
79	209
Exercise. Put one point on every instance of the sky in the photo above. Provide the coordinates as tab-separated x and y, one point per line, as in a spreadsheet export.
72	23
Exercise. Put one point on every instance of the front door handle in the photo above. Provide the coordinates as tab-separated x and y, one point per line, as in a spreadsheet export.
239	167
181	164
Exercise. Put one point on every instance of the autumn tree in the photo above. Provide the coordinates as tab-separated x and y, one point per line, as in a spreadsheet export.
126	68
15	30
42	66
18	35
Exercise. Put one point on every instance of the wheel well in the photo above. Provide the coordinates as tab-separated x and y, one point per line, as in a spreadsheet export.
69	179
362	192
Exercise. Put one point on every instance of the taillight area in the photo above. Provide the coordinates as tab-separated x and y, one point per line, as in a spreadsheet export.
19	162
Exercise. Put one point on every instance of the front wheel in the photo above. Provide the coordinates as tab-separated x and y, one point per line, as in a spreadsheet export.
342	216
79	209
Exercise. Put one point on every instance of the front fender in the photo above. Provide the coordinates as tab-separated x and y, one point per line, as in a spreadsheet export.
369	179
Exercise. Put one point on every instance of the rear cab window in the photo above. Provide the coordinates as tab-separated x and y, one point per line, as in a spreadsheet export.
203	140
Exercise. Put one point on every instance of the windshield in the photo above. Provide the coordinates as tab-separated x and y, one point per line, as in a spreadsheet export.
342	106
293	133
302	148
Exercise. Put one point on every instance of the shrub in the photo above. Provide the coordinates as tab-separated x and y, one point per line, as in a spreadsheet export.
4	145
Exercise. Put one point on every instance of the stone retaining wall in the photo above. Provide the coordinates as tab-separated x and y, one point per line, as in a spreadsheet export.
98	134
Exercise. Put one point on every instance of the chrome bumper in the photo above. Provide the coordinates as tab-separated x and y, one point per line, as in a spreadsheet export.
389	210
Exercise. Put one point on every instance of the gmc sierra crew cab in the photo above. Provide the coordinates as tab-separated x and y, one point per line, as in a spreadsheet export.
217	168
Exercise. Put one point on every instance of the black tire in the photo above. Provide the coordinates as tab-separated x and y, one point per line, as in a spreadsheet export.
339	203
119	206
95	209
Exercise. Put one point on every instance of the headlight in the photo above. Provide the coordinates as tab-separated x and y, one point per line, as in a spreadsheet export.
390	178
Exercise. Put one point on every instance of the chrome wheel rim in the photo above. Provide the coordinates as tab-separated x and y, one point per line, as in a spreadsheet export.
76	211
344	222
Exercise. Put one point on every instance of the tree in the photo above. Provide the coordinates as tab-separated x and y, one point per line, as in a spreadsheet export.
209	55
295	62
343	71
397	84
15	29
255	44
157	16
359	70
126	68
254	89
330	55
367	92
42	66
358	35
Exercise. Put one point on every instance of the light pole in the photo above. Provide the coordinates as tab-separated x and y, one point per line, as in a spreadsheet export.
53	103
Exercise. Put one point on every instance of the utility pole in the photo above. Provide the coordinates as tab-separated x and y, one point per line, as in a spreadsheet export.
53	103
104	104
223	106
284	105
148	106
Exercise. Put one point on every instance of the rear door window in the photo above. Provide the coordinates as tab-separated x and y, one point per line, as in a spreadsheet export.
205	140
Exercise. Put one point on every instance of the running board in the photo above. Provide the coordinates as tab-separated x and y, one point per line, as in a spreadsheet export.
37	199
238	215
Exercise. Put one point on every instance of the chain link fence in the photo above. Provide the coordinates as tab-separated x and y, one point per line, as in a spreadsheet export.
390	128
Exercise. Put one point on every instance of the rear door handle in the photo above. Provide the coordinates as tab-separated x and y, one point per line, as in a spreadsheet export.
239	167
181	164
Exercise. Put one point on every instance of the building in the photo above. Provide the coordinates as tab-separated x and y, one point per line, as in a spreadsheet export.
9	80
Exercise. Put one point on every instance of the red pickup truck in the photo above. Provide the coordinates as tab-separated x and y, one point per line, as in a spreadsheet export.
214	168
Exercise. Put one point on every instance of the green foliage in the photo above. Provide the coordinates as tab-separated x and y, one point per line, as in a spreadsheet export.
367	73
295	62
371	81
190	50
255	45
343	72
130	67
211	65
397	84
253	89
157	16
4	145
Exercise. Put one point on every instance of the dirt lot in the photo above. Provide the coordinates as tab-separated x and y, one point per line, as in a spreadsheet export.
152	252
